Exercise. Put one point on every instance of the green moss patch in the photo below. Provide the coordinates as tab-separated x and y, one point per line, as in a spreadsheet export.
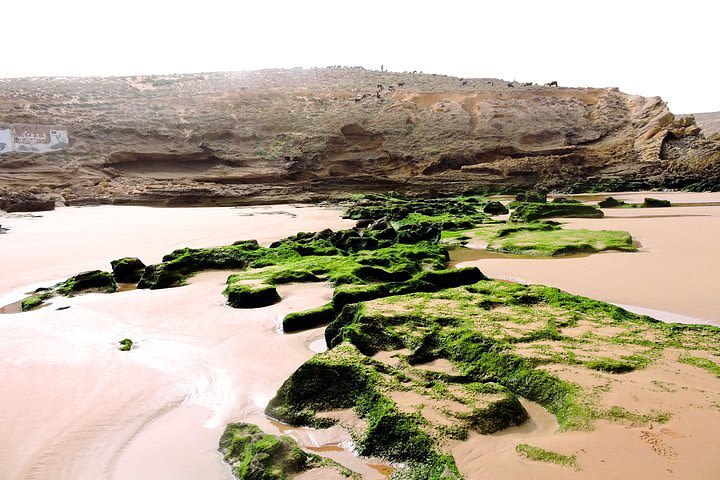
530	212
243	295
541	455
543	238
297	321
32	302
700	362
553	242
255	455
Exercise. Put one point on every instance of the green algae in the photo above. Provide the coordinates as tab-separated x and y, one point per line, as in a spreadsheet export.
541	455
530	212
543	238
243	295
32	302
255	455
554	242
704	363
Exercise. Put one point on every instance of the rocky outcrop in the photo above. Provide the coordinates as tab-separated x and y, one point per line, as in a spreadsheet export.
279	135
127	269
24	201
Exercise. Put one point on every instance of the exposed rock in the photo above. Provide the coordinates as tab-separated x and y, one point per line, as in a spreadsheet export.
242	295
655	203
255	455
127	270
529	212
14	201
610	202
93	280
495	208
246	138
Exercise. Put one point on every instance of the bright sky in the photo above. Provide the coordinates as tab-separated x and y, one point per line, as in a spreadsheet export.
647	47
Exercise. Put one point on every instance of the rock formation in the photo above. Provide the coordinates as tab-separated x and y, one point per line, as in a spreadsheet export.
280	135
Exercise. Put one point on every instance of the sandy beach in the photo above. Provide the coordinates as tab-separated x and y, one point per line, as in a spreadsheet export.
76	407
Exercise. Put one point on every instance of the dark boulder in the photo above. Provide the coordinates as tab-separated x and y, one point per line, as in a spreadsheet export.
26	202
610	202
495	208
655	203
418	232
127	270
241	295
297	321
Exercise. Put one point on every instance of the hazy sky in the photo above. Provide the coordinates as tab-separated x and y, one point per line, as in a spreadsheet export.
654	47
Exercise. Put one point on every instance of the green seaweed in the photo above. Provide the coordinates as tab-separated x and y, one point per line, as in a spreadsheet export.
541	455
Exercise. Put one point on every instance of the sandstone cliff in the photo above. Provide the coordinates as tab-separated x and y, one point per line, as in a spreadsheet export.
278	135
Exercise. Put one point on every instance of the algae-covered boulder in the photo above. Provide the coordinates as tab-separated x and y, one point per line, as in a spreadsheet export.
255	455
655	203
531	197
495	208
31	303
610	202
528	212
418	232
297	321
328	381
93	280
245	295
565	200
453	277
127	269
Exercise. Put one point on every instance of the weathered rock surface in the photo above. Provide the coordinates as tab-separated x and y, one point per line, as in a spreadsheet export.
279	135
25	201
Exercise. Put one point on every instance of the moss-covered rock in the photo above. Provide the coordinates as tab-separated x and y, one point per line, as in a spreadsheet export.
453	277
565	200
655	203
31	303
531	197
127	269
611	202
495	208
244	295
297	321
93	280
529	212
255	455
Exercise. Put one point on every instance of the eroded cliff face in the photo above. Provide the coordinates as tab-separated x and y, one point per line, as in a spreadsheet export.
279	135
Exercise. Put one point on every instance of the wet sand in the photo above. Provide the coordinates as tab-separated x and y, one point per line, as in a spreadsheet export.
683	447
44	247
76	407
675	270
